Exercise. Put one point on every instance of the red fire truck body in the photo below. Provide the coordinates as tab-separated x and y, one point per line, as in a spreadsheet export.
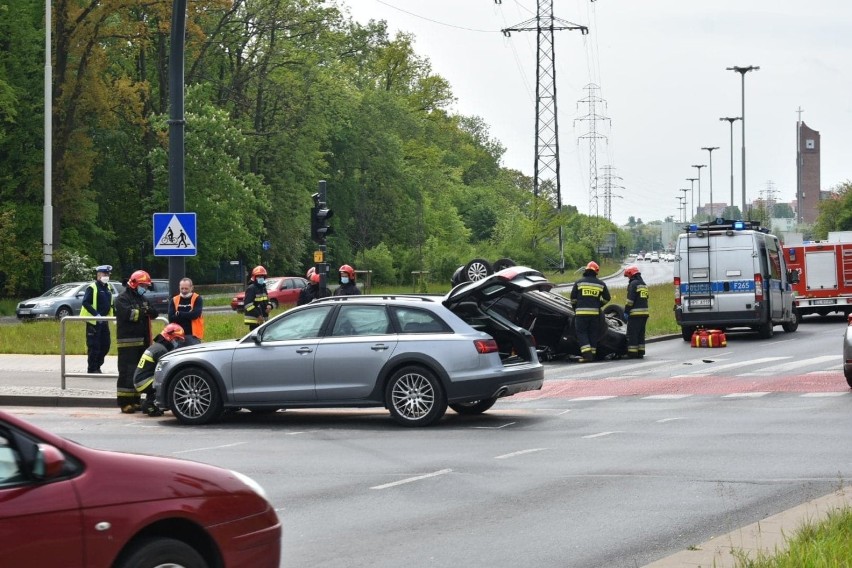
825	275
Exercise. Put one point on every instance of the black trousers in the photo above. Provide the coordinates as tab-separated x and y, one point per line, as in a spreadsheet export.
588	333
128	359
636	336
97	344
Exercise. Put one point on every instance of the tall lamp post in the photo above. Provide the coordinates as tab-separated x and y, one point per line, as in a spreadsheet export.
710	169
682	206
684	202
692	185
731	120
742	71
698	167
177	128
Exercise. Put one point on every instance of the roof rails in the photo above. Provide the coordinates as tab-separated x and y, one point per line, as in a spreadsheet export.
720	224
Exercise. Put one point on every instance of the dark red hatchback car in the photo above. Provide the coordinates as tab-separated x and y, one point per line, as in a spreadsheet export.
62	504
282	290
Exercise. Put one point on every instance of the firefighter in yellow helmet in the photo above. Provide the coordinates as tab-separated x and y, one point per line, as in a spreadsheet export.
588	296
256	301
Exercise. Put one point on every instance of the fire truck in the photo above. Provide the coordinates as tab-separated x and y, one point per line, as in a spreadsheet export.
825	274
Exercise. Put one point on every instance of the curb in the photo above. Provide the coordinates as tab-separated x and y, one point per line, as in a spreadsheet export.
56	401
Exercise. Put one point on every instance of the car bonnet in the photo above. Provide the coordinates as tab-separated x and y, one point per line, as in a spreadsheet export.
514	278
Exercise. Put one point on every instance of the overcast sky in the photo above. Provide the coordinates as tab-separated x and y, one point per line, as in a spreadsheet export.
660	66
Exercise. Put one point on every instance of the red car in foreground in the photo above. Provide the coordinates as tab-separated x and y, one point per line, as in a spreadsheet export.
62	504
282	290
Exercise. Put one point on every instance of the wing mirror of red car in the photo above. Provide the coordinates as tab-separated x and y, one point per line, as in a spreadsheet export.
49	463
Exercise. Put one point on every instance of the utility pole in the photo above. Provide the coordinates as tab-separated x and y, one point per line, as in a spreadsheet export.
742	71
692	194
710	150
592	117
546	123
698	167
731	120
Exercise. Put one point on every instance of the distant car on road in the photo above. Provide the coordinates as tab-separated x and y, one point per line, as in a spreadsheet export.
409	354
63	504
60	301
282	290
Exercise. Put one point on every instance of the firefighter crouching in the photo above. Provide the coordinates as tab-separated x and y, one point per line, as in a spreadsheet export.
172	337
636	310
256	302
588	297
133	315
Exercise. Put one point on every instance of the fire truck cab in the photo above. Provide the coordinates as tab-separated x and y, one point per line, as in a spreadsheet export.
732	274
825	274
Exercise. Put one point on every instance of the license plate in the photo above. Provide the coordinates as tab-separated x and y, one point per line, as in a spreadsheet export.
822	302
700	303
25	312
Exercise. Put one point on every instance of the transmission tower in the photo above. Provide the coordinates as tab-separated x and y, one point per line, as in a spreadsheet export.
592	117
608	186
546	121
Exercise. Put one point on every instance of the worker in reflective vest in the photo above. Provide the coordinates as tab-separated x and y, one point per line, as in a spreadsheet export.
97	301
588	297
186	309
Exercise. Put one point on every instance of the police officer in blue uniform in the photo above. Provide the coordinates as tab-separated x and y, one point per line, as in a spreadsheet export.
97	301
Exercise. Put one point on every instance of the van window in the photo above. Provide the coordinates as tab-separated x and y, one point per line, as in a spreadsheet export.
774	259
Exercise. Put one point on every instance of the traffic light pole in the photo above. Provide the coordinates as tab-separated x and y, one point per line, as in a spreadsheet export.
320	214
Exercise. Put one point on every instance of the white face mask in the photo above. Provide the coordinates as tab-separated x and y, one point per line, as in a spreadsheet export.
104	279
186	294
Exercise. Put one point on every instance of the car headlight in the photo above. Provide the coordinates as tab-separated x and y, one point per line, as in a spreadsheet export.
46	304
253	485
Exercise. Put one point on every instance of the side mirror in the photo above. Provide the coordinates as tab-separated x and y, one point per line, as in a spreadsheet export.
255	337
49	462
793	276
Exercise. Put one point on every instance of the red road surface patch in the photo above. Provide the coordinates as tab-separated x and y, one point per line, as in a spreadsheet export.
615	386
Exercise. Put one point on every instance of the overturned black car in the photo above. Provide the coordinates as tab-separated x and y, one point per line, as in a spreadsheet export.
523	296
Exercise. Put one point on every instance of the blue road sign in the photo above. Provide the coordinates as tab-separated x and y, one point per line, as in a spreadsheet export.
266	245
175	234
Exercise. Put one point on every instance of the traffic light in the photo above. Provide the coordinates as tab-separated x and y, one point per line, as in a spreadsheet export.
320	214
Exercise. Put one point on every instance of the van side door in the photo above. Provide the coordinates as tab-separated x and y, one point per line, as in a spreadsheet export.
775	280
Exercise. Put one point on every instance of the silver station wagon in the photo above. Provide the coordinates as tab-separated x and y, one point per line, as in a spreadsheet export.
409	354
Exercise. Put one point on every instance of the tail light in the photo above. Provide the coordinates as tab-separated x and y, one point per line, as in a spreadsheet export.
758	288
677	290
484	346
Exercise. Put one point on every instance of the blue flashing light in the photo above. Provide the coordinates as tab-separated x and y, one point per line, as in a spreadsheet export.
693	227
739	225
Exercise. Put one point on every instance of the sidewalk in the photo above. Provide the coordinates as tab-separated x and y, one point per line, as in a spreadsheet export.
35	380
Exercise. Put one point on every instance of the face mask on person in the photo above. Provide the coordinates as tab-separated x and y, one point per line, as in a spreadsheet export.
104	279
176	343
261	281
344	280
186	294
142	291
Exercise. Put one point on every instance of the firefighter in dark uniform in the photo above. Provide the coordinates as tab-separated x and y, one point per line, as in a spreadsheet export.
588	297
636	311
347	282
97	301
256	302
312	291
133	316
172	337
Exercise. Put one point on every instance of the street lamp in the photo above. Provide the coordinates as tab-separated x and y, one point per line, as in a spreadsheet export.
710	150
731	120
682	206
692	184
742	71
698	167
684	201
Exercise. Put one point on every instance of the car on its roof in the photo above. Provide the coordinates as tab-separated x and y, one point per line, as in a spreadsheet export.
63	504
60	301
524	297
282	290
409	354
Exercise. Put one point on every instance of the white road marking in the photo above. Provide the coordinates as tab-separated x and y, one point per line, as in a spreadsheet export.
584	398
519	453
791	365
735	364
664	420
564	412
823	394
210	448
494	427
745	394
666	396
598	435
412	479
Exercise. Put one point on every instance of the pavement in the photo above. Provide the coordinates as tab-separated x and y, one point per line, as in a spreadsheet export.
36	380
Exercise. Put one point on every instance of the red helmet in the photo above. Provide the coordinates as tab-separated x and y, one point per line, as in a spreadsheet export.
593	266
631	271
173	331
314	278
139	278
257	271
348	270
310	272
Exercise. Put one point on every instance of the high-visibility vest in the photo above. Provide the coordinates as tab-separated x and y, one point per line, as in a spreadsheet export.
85	312
197	323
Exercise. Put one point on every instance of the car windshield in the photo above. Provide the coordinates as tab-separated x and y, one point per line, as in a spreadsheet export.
61	290
272	283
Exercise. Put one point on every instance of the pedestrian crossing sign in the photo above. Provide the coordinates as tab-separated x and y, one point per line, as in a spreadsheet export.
174	234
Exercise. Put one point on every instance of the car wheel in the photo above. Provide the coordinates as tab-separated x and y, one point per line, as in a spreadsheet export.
415	397
766	330
274	304
477	269
686	332
160	551
849	379
502	263
64	312
615	310
791	326
475	407
194	397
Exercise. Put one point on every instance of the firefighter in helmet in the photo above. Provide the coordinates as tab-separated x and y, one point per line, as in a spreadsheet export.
588	296
312	291
347	282
133	315
172	337
256	302
636	311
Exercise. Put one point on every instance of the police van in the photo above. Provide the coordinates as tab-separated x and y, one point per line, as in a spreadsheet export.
732	274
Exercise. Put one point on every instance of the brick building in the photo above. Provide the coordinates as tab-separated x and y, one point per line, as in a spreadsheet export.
808	190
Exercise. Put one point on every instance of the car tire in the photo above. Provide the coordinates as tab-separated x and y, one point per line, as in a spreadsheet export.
274	304
502	263
194	397
848	379
475	407
160	551
414	396
615	310
766	330
686	332
477	269
791	326
64	312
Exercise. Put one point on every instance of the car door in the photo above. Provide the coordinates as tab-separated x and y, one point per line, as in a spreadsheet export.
350	357
279	365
